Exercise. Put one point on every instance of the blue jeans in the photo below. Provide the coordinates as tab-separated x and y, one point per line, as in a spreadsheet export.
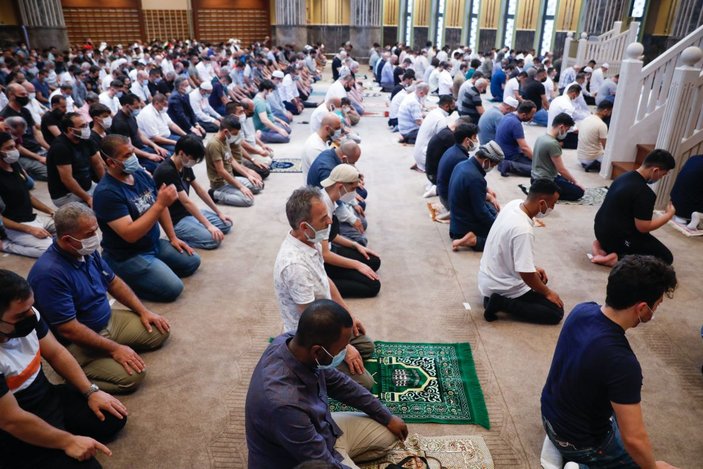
567	190
154	275
190	230
610	453
269	136
517	164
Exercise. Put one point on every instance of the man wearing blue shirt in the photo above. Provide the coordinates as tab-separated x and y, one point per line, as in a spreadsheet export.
180	110
473	206
511	137
498	79
465	141
71	282
591	402
287	414
128	209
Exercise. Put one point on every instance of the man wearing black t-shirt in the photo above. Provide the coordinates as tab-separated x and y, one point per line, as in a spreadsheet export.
624	222
69	163
200	229
51	121
591	402
533	89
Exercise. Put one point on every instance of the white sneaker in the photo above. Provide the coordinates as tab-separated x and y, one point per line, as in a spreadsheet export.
431	192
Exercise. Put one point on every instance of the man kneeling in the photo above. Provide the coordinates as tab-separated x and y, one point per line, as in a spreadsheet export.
288	420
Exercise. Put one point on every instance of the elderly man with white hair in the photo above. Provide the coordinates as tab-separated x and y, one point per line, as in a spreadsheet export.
469	98
140	87
207	117
410	115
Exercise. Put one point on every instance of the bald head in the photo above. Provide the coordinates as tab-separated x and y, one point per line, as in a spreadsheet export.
14	90
28	86
351	150
334	103
247	104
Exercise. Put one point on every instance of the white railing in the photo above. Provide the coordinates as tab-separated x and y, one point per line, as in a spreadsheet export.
609	47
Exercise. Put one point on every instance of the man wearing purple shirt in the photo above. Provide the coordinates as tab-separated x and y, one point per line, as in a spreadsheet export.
288	420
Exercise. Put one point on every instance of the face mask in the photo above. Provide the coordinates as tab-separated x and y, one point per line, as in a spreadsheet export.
88	245
336	135
242	118
131	165
336	359
234	139
472	145
320	235
561	135
164	110
11	156
135	112
107	123
84	133
25	326
542	214
488	168
32	96
22	100
119	94
348	197
188	163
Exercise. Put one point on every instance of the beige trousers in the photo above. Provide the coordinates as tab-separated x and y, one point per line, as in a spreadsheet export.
363	440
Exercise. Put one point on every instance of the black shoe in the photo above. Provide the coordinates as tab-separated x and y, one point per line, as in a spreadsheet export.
492	306
504	167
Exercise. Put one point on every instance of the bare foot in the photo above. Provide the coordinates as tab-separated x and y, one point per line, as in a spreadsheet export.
609	261
469	240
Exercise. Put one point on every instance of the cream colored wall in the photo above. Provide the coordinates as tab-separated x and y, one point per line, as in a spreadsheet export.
164	4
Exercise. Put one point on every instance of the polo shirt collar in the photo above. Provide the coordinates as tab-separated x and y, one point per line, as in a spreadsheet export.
56	249
307	375
310	251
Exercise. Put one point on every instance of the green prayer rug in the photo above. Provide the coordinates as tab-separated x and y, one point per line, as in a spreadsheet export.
426	383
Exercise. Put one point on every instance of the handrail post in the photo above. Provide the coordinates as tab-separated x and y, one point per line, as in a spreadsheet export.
567	50
627	97
581	53
677	114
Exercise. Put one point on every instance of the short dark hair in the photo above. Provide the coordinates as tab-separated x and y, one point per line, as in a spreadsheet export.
12	288
98	109
409	74
638	278
192	146
116	84
526	106
575	87
445	99
230	122
56	99
542	187
659	158
464	131
605	104
128	99
563	119
266	85
67	121
321	324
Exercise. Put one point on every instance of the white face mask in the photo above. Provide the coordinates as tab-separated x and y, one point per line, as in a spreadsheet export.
472	145
348	196
107	122
320	235
542	214
188	163
84	133
489	167
11	156
32	96
242	118
234	139
88	245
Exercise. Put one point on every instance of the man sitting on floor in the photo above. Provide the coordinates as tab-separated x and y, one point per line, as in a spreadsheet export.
593	133
508	278
437	146
465	141
624	223
228	185
547	162
510	135
71	282
273	129
71	162
435	121
203	229
687	193
473	206
330	130
591	402
46	425
489	120
410	113
300	278
300	369
129	212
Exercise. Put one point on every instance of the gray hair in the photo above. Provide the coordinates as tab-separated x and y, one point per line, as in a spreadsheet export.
178	82
15	122
422	86
300	203
67	217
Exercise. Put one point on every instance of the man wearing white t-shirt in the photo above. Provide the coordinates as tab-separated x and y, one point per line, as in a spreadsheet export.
321	111
338	89
435	121
316	143
299	276
155	123
445	82
593	133
512	86
508	278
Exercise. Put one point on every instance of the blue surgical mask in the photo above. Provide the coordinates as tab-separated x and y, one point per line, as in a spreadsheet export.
131	165
135	112
336	359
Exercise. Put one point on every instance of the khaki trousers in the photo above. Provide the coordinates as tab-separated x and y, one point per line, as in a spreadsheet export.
365	347
363	440
125	328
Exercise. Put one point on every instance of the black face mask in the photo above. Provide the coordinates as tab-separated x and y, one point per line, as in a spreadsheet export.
22	100
23	327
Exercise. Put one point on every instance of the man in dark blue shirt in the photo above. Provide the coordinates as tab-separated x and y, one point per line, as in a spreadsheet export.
591	406
71	282
287	414
465	141
323	165
128	209
498	79
472	205
180	111
511	137
687	193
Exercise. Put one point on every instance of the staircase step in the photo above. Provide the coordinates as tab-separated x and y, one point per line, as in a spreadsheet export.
643	149
622	167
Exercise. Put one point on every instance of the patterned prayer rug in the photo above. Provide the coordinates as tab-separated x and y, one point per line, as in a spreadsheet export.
287	165
685	230
592	196
452	452
426	383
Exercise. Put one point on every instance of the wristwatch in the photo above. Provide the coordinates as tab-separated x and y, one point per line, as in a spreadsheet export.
91	390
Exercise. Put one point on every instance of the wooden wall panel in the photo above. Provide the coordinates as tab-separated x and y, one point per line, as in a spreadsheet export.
165	24
421	13
101	4
490	14
568	15
527	14
111	25
454	14
391	10
230	4
248	25
326	12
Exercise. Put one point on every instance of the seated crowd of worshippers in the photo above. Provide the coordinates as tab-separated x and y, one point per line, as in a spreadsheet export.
119	174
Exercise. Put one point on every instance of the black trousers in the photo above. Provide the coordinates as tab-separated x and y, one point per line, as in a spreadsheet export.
642	243
352	283
64	408
530	307
263	172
